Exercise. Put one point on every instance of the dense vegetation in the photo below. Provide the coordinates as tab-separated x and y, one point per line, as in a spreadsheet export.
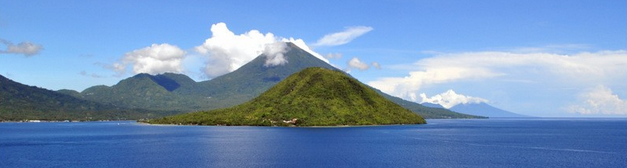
312	97
21	102
147	92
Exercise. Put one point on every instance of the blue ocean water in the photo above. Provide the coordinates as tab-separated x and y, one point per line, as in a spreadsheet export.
441	143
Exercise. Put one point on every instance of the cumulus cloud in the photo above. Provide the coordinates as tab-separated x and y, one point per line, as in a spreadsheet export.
155	59
599	100
357	64
376	65
25	48
450	99
227	51
346	36
447	68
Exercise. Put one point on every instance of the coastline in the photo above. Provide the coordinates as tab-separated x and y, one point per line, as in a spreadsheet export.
57	121
289	126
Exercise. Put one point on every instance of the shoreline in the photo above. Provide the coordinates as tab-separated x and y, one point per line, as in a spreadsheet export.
289	126
57	121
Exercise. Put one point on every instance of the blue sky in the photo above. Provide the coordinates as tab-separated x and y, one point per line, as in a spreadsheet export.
541	58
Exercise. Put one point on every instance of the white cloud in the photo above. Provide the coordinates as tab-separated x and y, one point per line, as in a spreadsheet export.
356	63
227	51
586	68
333	56
155	59
302	45
376	65
599	100
405	87
25	48
450	99
585	63
561	48
343	37
274	53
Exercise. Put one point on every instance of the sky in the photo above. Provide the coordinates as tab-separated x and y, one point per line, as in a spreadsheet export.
538	58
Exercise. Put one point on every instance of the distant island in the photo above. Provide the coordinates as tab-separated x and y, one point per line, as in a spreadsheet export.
311	97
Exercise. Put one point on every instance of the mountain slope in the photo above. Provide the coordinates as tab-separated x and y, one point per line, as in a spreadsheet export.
312	97
20	102
255	77
179	93
483	109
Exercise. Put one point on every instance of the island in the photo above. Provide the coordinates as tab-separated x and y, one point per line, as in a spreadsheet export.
312	97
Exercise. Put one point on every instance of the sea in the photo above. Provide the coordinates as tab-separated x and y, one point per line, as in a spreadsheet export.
537	142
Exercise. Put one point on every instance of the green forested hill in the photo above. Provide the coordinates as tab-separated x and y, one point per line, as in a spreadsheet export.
312	97
147	92
20	102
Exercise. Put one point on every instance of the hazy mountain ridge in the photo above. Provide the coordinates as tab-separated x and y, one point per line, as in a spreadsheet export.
477	109
311	97
483	109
